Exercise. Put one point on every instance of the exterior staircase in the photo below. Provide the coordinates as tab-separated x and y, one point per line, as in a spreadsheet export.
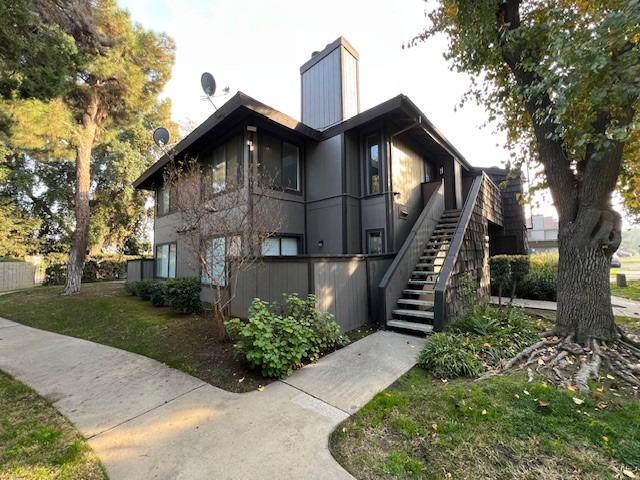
415	307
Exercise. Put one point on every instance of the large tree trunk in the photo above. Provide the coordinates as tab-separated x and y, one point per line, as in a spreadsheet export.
78	253
584	298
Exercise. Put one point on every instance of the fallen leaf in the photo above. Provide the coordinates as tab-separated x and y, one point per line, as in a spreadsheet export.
344	429
601	405
577	401
629	474
434	426
540	361
240	380
517	396
571	388
605	438
600	389
260	388
484	412
526	392
542	404
610	377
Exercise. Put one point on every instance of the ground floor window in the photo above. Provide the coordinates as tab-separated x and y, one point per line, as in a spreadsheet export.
166	260
375	242
280	246
218	251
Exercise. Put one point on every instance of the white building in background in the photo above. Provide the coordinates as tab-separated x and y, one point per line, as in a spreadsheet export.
544	233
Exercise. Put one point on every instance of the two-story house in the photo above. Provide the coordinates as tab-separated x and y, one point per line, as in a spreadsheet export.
382	215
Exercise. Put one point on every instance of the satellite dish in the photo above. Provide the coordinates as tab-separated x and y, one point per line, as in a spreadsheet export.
161	136
208	84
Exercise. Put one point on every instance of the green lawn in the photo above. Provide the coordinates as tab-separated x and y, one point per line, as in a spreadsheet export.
504	427
632	291
105	314
37	443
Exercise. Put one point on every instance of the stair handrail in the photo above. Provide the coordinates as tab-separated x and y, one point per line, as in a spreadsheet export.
394	279
439	315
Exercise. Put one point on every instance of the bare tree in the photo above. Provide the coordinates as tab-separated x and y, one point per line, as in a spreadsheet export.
224	223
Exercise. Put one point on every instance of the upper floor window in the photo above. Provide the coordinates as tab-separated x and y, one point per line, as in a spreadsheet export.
163	200
226	165
280	163
277	246
373	164
166	260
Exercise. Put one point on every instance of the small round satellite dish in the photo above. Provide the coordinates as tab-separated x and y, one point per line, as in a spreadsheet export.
161	136
208	84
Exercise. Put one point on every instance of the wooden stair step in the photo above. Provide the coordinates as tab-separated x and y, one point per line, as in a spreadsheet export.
417	303
411	291
418	327
415	281
413	313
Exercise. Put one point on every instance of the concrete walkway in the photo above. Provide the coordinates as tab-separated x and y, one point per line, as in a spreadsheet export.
146	420
621	306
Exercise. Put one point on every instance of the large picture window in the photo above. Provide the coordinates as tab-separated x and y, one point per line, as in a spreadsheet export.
226	165
166	260
373	164
279	163
163	201
218	250
280	246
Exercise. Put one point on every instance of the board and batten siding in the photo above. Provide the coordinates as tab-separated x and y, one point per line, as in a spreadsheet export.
341	289
15	275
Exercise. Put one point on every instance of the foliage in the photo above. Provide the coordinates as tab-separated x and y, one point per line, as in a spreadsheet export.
121	68
106	314
17	232
131	287
477	341
508	270
448	355
104	268
37	442
145	288
541	280
158	294
500	271
183	294
276	343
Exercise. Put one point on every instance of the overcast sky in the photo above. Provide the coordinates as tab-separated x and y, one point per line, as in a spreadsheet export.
258	46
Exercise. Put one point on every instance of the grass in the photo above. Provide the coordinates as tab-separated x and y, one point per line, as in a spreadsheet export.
37	443
632	291
504	427
104	313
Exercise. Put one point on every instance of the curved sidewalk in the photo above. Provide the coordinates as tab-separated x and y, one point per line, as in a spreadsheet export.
621	306
146	420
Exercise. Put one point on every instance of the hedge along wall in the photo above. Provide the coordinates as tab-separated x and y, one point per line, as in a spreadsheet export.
540	282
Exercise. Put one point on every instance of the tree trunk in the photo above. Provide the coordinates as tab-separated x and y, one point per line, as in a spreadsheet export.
78	253
583	291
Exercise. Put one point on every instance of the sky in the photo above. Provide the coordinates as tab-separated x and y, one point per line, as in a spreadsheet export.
257	47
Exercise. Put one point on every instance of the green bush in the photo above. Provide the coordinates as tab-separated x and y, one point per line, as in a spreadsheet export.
500	272
145	289
158	294
448	355
100	268
183	294
131	288
278	340
541	280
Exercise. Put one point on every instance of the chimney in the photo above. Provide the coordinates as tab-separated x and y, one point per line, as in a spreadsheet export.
330	92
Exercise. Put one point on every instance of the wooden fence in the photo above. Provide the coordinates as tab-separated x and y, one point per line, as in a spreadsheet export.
16	275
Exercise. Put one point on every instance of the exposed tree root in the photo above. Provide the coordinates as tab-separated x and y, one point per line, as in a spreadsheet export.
568	364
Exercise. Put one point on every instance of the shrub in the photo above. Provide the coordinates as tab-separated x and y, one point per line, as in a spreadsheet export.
448	355
158	294
183	294
145	288
131	288
540	282
276	341
100	268
500	272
